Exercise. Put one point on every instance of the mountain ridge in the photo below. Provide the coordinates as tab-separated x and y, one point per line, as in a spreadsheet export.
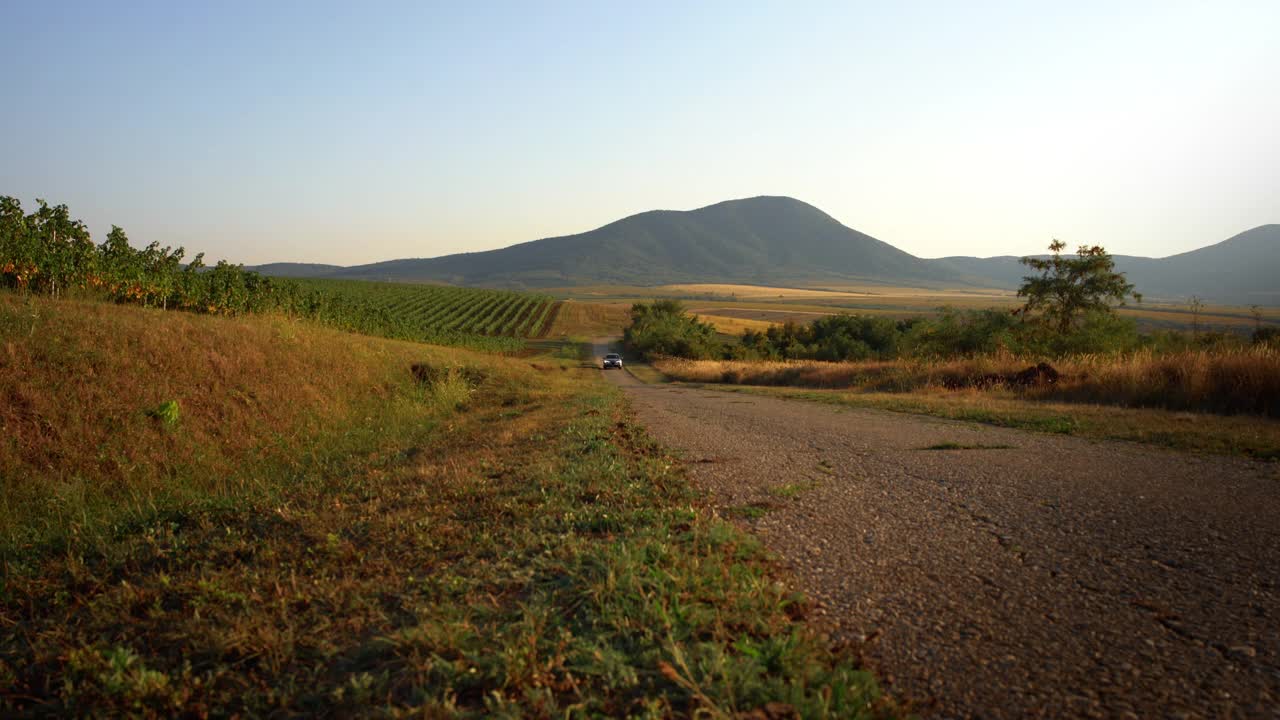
775	240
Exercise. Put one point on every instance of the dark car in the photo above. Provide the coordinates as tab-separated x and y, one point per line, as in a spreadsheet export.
612	360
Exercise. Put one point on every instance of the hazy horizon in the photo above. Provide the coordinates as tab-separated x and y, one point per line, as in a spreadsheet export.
330	134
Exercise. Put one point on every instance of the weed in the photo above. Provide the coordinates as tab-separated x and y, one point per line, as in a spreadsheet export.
166	412
750	512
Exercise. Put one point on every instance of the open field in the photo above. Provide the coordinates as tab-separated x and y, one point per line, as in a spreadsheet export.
733	326
259	516
577	318
778	304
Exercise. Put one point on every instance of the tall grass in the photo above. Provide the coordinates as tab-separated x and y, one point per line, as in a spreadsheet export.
1245	380
109	414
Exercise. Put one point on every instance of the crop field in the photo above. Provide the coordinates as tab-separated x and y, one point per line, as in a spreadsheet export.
722	304
590	319
446	310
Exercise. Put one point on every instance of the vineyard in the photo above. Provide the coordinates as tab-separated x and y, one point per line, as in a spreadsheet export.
439	313
49	253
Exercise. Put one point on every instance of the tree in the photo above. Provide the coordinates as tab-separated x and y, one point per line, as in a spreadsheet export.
664	328
1196	305
1069	289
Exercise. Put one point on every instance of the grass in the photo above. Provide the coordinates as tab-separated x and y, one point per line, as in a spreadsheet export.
112	414
762	304
590	319
645	373
754	511
965	446
1244	436
733	325
488	536
1224	381
790	491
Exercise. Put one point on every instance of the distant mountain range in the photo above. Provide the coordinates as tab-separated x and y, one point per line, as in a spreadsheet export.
781	241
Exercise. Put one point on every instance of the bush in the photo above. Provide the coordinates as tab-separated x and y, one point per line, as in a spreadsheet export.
832	338
663	328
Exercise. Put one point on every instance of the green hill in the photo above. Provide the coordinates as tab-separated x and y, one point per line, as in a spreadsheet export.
760	240
783	241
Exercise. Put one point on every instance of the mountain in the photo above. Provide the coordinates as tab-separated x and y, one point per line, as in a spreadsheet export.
780	241
1242	270
762	240
287	269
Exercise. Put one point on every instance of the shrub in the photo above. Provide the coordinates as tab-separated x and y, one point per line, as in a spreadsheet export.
663	328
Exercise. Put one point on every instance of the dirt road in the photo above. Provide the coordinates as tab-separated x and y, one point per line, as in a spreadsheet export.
1034	576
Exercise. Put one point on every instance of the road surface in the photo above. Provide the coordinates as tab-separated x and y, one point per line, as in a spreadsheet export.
1037	576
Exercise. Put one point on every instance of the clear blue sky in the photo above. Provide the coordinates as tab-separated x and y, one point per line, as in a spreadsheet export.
355	132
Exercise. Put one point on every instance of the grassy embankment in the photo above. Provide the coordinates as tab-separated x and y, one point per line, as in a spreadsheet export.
256	516
1178	400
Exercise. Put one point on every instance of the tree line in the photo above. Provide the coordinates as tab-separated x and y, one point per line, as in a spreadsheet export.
1069	308
49	252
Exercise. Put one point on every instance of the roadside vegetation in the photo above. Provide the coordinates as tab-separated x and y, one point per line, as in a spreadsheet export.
1239	435
1065	344
1241	380
259	516
47	252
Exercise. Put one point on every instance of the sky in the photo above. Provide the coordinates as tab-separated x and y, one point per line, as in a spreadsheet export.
355	132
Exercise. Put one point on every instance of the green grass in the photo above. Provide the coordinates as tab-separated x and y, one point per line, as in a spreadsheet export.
966	446
791	491
496	538
754	511
645	373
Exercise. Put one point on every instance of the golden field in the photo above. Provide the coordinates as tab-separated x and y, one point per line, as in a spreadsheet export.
775	305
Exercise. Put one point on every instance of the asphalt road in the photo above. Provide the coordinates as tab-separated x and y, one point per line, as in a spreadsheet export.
1038	576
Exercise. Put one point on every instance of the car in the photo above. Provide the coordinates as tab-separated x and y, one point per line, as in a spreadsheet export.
612	360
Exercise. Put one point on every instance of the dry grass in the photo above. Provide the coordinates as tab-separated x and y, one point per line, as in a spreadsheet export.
777	304
104	408
590	319
752	292
1243	381
734	325
480	537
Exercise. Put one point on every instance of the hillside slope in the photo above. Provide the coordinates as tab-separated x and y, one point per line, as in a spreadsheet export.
760	240
783	241
1243	269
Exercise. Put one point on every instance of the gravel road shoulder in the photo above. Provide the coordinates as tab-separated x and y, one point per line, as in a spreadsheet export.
1024	575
